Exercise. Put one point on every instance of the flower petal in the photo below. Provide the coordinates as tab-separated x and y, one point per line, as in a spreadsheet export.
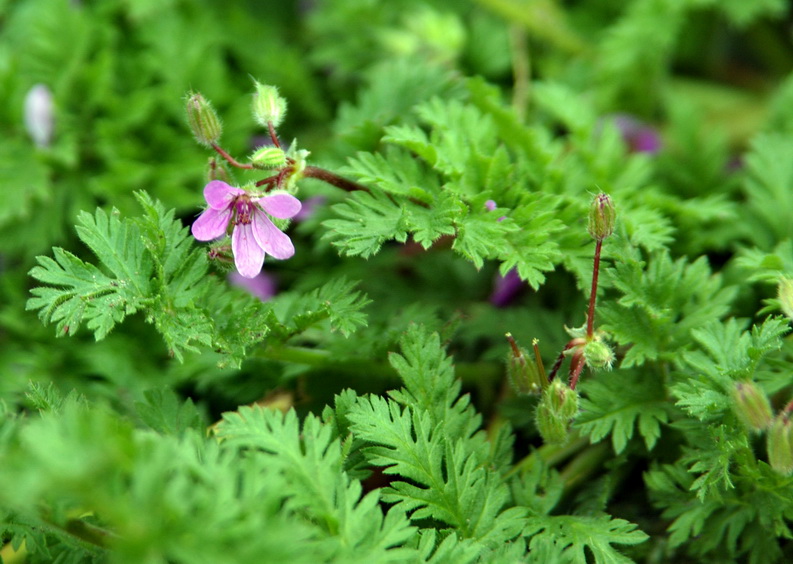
211	224
274	241
248	255
219	195
280	204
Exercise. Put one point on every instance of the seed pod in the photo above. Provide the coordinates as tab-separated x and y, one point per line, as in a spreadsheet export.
203	120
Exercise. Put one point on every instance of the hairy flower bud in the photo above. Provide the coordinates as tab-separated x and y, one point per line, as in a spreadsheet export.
751	405
203	121
780	444
39	118
598	354
602	216
558	405
785	295
268	105
269	157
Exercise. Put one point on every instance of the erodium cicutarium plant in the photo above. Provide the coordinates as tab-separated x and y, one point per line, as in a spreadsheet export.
257	353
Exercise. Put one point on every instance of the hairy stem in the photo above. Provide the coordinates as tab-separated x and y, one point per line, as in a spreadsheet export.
590	318
333	179
231	160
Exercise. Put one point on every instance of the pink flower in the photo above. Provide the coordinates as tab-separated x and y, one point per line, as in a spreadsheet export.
253	234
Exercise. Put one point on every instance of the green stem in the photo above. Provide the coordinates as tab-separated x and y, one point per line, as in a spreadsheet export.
550	454
584	465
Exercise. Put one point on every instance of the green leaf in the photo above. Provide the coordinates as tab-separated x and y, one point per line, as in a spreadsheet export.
367	221
571	537
661	305
317	487
615	402
164	412
769	200
153	267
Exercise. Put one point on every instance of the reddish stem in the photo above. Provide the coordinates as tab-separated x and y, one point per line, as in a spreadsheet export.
559	360
273	136
590	318
269	180
576	366
333	179
232	161
515	350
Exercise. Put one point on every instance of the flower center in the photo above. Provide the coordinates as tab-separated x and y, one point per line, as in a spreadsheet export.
243	210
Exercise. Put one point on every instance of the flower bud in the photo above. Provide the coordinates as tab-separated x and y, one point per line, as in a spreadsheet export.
558	405
598	354
39	119
751	405
785	295
601	217
780	444
203	121
268	105
269	157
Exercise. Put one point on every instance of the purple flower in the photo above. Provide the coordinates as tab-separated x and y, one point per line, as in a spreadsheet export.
506	288
253	234
640	137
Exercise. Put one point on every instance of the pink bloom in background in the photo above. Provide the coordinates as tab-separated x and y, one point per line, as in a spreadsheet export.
262	286
253	234
310	206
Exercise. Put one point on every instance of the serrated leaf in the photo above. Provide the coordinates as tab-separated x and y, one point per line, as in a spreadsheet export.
367	221
614	403
571	537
